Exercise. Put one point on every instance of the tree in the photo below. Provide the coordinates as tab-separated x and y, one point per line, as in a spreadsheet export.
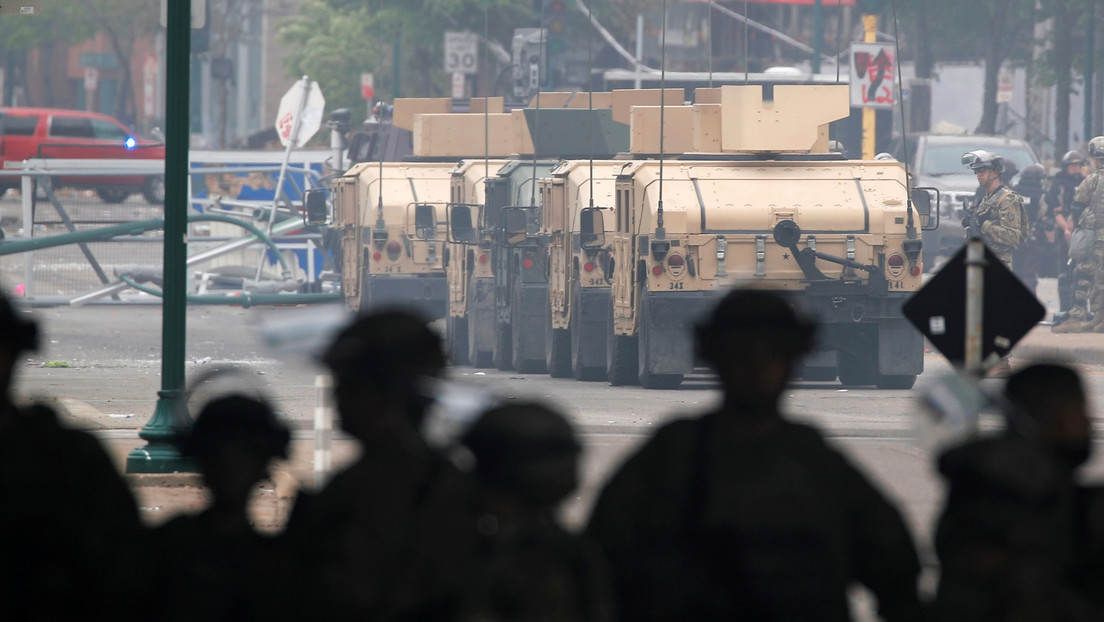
1057	63
55	23
124	22
335	41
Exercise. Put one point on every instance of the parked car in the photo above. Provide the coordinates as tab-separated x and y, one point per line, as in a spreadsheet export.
935	160
75	134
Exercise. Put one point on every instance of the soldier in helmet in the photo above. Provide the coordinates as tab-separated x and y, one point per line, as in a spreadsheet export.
999	219
741	514
1059	203
1088	288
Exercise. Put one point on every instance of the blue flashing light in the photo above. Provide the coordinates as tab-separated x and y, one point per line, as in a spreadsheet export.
130	142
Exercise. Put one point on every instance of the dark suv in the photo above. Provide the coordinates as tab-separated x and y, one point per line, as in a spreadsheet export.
75	134
935	160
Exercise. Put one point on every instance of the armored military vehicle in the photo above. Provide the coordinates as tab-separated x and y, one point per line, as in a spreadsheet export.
392	215
762	203
500	306
578	288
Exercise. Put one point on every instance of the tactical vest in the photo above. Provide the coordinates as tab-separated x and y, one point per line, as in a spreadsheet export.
993	203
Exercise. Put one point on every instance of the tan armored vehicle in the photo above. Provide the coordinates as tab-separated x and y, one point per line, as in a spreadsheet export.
578	286
500	307
762	202
393	215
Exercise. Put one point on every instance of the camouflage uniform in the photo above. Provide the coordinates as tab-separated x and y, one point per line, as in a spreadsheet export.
1004	224
1088	289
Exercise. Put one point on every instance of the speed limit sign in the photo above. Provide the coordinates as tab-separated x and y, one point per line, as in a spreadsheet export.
461	52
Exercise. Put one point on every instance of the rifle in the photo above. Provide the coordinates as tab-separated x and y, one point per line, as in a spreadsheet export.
970	220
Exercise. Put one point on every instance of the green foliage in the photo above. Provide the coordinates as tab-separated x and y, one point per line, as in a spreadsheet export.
57	21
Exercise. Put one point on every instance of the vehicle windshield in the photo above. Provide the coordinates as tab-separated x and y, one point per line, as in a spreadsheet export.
947	159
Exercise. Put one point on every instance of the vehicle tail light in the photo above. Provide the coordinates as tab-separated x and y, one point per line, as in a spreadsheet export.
376	256
657	269
393	250
916	271
527	263
588	266
483	258
675	260
895	261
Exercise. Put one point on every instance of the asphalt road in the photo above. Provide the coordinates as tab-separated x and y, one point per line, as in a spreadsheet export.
104	362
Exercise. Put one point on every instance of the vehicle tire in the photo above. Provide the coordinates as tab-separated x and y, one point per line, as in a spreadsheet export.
857	370
112	195
650	380
365	291
154	190
477	357
517	335
896	382
557	348
578	370
456	340
620	356
503	352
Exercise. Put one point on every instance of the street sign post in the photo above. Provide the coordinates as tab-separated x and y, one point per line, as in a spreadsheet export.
1007	309
461	52
300	113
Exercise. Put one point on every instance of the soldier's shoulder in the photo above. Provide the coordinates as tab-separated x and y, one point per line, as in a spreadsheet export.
1006	195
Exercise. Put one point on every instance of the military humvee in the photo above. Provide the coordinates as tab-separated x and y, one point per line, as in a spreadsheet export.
761	202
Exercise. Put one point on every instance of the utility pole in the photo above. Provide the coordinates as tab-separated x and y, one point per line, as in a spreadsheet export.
869	127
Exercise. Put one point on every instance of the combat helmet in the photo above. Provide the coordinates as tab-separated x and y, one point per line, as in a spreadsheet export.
1096	147
979	159
1073	156
1033	171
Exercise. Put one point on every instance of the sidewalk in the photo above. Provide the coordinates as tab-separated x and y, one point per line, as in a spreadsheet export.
1043	344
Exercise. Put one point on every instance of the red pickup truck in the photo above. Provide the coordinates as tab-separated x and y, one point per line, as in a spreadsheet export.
75	134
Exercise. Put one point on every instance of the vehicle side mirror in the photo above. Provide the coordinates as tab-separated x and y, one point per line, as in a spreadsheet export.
922	202
461	229
425	221
317	210
515	222
592	228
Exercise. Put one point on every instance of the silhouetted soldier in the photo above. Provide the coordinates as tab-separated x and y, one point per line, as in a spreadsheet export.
1006	536
529	567
213	565
390	535
69	526
741	514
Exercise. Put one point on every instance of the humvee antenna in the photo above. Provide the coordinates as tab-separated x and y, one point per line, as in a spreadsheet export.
746	63
590	104
379	137
486	100
709	21
910	226
660	232
536	113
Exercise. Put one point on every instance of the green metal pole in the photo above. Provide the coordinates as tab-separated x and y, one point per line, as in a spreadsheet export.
818	34
1090	49
160	455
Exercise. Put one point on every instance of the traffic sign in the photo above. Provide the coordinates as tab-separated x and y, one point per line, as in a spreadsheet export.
461	52
938	309
367	86
1005	86
311	104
